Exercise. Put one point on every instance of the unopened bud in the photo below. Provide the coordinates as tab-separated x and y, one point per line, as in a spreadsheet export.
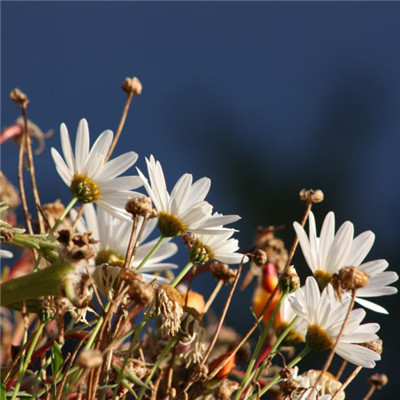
140	206
132	85
90	358
311	196
378	380
260	257
289	280
19	97
352	278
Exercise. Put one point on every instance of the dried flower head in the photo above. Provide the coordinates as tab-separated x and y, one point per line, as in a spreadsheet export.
168	305
19	97
351	278
132	85
138	290
311	195
259	257
378	380
106	278
140	206
193	336
90	358
221	271
329	385
376	346
225	390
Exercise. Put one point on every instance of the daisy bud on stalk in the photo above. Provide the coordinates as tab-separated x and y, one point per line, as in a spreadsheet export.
289	280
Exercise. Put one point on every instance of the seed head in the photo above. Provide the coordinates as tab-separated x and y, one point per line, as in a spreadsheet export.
132	85
376	346
352	278
138	290
378	380
90	358
19	97
221	271
225	389
311	195
140	206
259	257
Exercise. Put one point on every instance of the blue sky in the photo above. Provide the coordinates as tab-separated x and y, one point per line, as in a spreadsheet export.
263	97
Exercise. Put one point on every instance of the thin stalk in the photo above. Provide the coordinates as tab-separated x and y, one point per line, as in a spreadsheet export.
152	252
129	250
120	126
213	295
160	359
347	382
22	186
138	330
31	166
247	378
63	215
277	377
27	359
370	392
341	369
184	271
332	352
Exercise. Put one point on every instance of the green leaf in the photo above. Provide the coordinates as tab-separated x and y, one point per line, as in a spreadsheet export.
56	358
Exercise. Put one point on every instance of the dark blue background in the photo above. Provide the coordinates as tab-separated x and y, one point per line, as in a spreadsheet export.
264	98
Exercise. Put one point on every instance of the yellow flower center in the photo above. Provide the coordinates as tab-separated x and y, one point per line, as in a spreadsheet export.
292	338
323	278
108	257
84	189
200	253
170	225
317	339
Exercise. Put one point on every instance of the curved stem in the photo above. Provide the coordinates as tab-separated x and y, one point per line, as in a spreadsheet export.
63	215
152	252
184	271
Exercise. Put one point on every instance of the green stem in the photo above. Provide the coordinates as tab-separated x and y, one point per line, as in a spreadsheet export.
152	252
45	282
184	271
248	376
160	359
138	330
277	377
62	216
25	366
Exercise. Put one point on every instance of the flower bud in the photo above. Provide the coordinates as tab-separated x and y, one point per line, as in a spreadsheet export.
289	280
311	195
352	278
18	96
260	257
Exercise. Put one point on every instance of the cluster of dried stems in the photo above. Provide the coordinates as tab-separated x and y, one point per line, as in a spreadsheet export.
125	352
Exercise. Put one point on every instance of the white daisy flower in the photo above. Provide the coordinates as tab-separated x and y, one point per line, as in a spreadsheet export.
325	314
113	237
331	252
221	247
89	178
185	208
286	316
